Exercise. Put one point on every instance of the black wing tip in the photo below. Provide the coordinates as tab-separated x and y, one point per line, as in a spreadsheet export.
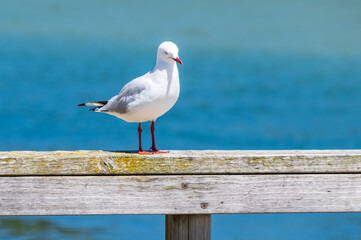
102	103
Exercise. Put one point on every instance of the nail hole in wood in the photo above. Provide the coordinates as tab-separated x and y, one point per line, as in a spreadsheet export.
204	205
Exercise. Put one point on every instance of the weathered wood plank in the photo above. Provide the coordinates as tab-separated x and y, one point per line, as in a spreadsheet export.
179	162
188	227
200	194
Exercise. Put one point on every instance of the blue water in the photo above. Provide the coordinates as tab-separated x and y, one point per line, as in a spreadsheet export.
256	75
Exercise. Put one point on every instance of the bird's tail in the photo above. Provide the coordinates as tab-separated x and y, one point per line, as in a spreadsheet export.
97	105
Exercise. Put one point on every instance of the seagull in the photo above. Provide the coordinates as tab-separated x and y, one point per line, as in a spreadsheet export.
147	97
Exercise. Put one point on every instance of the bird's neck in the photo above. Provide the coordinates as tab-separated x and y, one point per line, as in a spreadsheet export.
161	65
165	70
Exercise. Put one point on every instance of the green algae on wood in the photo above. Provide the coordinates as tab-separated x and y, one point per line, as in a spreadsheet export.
19	163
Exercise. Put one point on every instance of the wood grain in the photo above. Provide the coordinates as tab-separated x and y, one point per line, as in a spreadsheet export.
179	162
197	194
188	227
199	227
176	227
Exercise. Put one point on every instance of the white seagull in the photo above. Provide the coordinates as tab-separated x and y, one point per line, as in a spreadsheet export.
147	97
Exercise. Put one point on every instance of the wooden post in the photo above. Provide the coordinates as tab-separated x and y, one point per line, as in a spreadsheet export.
188	227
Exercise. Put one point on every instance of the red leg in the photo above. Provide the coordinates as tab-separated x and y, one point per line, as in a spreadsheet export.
140	141
154	149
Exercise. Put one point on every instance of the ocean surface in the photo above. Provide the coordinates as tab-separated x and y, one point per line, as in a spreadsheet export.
256	75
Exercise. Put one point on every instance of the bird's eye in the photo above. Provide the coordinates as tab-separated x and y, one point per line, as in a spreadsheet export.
165	52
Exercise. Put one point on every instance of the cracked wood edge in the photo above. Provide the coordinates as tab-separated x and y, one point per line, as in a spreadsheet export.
20	163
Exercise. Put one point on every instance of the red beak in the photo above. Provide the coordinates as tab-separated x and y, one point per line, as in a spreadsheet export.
178	60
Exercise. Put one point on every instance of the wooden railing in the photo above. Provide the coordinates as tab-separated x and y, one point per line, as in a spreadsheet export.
186	186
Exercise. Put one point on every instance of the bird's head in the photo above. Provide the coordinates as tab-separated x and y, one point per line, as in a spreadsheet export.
168	52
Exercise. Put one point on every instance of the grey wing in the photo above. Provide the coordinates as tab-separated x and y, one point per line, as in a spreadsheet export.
127	95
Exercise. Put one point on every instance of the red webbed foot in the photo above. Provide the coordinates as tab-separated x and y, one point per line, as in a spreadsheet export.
160	151
141	152
155	151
